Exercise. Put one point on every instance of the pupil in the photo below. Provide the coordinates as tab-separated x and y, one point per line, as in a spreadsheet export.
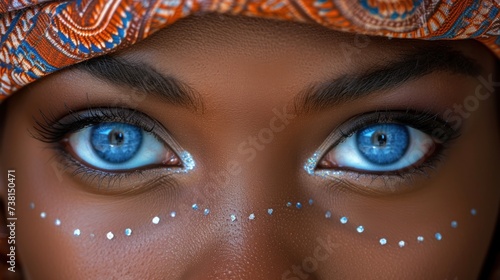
116	137
379	139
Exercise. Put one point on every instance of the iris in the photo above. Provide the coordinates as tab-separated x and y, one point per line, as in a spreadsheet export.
116	142
383	144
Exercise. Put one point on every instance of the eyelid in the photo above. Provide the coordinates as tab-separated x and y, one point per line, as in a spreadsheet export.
55	131
429	123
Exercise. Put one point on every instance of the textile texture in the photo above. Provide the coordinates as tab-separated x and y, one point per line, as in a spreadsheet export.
39	37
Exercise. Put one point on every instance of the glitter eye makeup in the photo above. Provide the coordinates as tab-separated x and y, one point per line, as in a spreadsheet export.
111	144
380	150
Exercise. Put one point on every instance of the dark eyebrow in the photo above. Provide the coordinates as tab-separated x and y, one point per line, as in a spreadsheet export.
142	77
409	66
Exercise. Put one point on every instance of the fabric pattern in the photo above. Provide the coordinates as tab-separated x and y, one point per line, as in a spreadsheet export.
39	37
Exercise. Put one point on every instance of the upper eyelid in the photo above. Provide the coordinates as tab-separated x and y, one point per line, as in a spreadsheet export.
340	132
46	129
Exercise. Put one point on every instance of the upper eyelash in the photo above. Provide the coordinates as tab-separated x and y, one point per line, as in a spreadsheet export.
420	120
51	129
427	122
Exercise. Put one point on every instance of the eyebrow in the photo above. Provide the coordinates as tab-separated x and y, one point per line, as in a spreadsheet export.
142	77
410	66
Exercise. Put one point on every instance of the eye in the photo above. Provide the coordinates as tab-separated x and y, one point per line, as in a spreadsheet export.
380	148
119	146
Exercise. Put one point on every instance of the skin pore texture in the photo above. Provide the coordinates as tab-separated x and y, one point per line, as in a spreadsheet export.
245	127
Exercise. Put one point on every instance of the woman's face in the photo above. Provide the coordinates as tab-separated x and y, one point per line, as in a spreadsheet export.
316	155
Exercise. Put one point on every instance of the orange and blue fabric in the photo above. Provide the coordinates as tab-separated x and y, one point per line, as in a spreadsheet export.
39	37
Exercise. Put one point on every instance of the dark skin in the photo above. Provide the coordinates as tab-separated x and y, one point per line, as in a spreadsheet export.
238	72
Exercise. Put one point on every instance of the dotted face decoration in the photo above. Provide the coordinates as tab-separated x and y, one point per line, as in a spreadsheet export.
343	220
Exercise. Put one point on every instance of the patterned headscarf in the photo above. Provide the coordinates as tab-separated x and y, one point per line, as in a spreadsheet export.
39	37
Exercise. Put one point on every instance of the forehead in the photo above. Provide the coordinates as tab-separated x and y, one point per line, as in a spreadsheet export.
230	58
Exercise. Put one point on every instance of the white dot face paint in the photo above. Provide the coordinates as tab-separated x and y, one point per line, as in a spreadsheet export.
360	229
328	214
155	220
438	236
344	220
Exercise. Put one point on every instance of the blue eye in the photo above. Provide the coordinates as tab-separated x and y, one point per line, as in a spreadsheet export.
116	142
119	146
381	147
383	144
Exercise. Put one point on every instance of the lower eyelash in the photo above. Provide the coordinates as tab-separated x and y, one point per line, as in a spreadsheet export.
109	181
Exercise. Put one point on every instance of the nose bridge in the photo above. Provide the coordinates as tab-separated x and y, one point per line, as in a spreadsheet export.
255	236
248	188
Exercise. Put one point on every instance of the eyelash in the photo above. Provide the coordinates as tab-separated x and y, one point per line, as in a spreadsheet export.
53	131
426	122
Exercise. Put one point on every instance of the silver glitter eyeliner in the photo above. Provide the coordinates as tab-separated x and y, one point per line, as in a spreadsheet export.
173	214
233	217
270	211
311	201
383	241
420	239
110	235
128	232
188	161
57	222
195	206
206	211
298	205
43	215
32	205
311	164
288	204
401	244
454	224
77	232
251	217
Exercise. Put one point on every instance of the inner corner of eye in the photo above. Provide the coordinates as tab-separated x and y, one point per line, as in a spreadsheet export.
171	159
327	162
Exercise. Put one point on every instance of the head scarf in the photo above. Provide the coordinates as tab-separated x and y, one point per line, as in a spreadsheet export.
39	37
